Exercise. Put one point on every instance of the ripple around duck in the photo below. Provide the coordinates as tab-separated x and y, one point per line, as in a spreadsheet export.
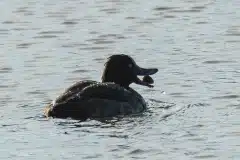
160	104
179	109
167	109
169	113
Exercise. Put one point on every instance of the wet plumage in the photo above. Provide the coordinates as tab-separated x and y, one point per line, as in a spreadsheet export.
111	97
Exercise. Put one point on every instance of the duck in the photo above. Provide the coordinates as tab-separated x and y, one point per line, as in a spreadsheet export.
111	97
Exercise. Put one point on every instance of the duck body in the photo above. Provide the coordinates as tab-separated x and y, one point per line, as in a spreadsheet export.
109	98
92	99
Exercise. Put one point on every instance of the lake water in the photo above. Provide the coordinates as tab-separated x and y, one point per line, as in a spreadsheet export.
193	110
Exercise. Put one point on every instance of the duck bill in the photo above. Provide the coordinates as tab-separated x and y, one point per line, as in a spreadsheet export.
144	72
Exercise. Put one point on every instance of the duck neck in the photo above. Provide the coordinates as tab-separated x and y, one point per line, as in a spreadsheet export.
120	84
115	77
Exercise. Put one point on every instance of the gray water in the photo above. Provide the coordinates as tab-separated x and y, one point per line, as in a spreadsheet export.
193	110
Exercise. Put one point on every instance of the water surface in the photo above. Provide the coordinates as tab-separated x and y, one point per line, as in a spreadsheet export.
193	110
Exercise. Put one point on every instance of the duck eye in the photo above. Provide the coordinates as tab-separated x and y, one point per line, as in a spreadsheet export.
130	65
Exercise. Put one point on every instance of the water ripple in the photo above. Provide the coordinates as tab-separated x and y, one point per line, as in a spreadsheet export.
195	45
164	8
218	61
6	69
70	22
25	45
226	97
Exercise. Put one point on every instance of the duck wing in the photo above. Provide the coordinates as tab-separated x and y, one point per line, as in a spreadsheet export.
73	90
109	91
93	100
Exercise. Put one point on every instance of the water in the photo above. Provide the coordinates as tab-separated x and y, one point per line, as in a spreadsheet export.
194	107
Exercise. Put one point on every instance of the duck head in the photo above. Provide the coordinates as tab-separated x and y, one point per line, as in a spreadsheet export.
123	70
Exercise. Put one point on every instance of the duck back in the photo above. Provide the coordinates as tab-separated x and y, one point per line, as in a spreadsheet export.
90	99
73	89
